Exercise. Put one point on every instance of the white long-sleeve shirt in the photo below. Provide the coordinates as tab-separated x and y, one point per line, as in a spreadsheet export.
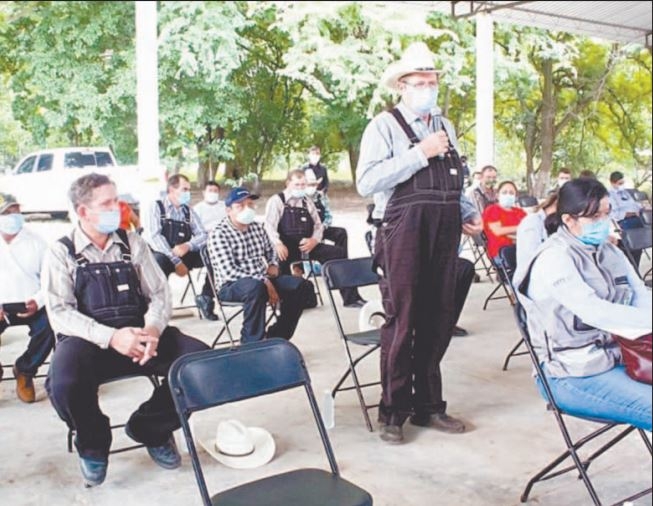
21	262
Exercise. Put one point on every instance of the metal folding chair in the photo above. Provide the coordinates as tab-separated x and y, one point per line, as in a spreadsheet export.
236	307
510	256
637	239
206	379
574	445
353	273
479	252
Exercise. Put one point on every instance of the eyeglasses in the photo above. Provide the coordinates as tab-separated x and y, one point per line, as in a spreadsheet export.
421	85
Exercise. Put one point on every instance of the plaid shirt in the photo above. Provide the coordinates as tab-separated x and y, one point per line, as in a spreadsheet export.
236	255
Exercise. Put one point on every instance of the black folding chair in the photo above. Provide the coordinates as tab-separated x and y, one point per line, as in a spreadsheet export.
638	195
479	252
637	239
353	273
573	446
506	263
237	307
155	383
510	260
645	214
216	377
527	201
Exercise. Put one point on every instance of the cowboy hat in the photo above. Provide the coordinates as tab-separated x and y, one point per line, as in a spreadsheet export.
235	445
7	201
371	316
417	58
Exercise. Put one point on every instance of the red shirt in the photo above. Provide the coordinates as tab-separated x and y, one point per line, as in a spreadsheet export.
506	218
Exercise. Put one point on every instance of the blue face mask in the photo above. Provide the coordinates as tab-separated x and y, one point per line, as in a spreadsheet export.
422	101
11	224
108	221
506	201
298	194
595	233
246	216
184	198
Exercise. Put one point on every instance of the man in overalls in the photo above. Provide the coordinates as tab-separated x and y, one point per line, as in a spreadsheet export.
410	163
109	305
175	233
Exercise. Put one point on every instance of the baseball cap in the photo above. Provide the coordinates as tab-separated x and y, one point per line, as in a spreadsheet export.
238	194
6	201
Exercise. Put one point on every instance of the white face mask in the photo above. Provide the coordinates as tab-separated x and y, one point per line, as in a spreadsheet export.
310	190
506	200
314	159
12	223
246	216
422	101
211	197
298	194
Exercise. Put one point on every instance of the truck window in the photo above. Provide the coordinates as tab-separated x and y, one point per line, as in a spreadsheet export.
44	163
103	159
27	166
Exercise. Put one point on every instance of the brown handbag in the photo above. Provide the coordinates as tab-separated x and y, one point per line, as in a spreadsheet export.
636	355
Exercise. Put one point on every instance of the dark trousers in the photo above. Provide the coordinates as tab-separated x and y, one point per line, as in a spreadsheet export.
417	249
338	236
254	295
464	279
79	367
322	253
41	340
192	260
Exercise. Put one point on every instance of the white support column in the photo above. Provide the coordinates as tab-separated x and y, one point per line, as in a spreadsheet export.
147	89
484	90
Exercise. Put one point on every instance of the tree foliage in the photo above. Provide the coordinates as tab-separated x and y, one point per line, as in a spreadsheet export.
253	84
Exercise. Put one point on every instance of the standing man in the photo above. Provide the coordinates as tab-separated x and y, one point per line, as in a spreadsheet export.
409	161
318	169
21	259
176	235
109	304
211	210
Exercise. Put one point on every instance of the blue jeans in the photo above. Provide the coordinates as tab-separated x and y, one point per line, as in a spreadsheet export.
610	396
254	296
40	343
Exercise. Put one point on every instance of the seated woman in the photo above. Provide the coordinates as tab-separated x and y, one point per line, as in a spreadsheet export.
579	289
533	231
500	220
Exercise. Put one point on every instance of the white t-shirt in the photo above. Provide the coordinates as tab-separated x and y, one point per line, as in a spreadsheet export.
20	268
210	214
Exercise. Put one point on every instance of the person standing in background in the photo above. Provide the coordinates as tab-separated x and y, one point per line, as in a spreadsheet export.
318	169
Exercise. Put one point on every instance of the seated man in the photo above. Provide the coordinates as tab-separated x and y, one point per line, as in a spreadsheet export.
294	226
21	258
211	210
246	270
176	235
109	304
337	235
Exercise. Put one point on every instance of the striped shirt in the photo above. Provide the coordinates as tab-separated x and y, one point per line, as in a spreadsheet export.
59	282
152	231
236	255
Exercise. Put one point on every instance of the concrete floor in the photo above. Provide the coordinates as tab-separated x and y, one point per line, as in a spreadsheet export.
510	437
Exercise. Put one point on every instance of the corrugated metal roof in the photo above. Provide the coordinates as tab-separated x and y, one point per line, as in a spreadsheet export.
620	21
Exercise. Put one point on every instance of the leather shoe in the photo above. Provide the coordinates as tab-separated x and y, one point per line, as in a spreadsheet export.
439	421
392	434
93	471
167	456
205	305
24	386
356	304
459	332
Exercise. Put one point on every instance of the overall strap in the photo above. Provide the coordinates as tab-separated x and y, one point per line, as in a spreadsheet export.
404	126
125	250
79	258
162	211
186	211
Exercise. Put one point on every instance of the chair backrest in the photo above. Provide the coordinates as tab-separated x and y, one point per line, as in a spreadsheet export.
637	238
646	217
212	378
349	273
507	259
638	195
527	201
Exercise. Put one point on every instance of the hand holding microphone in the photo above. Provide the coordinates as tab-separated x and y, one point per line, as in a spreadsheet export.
435	144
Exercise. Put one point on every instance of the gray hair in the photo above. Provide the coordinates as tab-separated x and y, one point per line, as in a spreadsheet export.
81	191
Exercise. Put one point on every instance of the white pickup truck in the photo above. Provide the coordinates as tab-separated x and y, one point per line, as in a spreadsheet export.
40	181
